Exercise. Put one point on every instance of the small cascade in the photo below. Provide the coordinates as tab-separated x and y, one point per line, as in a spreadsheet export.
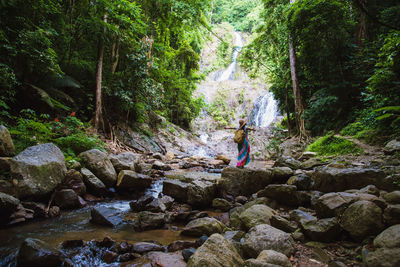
230	71
265	110
155	189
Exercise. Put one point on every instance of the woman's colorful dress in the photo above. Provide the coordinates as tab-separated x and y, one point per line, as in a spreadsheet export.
244	151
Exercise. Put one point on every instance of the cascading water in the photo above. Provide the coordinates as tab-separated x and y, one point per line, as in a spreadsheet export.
265	110
230	71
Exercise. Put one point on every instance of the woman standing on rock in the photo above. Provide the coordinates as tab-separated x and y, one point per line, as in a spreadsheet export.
241	138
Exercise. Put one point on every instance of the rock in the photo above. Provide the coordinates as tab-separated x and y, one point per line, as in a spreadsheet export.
221	204
93	184
181	245
125	161
149	220
187	253
20	215
37	171
140	204
165	259
7	148
301	216
362	219
241	199
73	180
105	216
328	179
269	258
234	216
132	181
236	182
144	247
169	156
159	156
203	226
158	204
201	193
68	199
281	174
391	214
234	236
216	251
333	204
54	211
287	161
283	224
312	163
226	159
301	181
38	208
34	252
392	197
176	189
98	163
392	147
324	230
283	193
110	256
74	165
370	189
265	237
158	165
307	155
255	215
72	243
8	204
298	235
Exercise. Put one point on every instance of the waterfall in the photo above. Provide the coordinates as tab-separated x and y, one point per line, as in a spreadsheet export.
265	110
228	73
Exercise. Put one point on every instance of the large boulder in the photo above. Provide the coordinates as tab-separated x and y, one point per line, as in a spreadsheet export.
34	252
324	230
285	194
8	204
7	148
237	182
333	204
329	179
176	189
93	184
201	193
234	214
132	181
37	171
391	214
158	258
387	249
392	197
392	147
269	258
301	181
105	216
221	204
216	251
203	226
125	161
68	199
362	219
73	180
283	224
255	215
146	220
287	161
98	163
265	237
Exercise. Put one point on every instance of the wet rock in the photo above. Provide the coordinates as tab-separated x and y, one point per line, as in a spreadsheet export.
237	182
110	256
301	216
140	204
329	179
73	243
98	163
54	211
361	219
370	189
166	259
38	208
392	197
7	148
203	226
216	251
287	161
37	170
158	165
255	215
283	193
176	189
20	215
107	242
149	220
93	184
221	204
144	247
73	180
132	181
387	249
283	224
68	199
265	237
187	253
34	252
181	245
201	193
105	216
8	204
391	214
125	161
226	159
269	258
392	147
128	257
301	181
324	230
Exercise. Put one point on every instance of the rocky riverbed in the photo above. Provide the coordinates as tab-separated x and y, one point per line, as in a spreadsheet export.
154	209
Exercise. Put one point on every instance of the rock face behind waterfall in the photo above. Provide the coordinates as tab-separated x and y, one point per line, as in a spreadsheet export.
37	171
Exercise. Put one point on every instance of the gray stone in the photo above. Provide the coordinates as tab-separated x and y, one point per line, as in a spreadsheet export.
301	217
8	204
301	181
105	216
37	171
333	204
287	161
283	224
7	148
283	193
201	193
370	189
312	163
392	197
281	174
125	161
392	147
324	230
176	189
149	220
389	238
216	251
68	199
391	214
34	252
144	247
265	237
98	163
203	226
132	181
93	184
255	215
269	258
221	204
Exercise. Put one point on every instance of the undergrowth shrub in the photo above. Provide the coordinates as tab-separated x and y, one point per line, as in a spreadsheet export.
333	145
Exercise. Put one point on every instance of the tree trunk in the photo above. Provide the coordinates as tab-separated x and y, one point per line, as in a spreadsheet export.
362	25
114	55
298	101
99	71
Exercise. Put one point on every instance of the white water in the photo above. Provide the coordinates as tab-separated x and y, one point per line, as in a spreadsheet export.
228	73
265	110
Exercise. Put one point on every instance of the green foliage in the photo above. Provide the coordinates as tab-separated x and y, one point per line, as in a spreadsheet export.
333	145
352	129
77	143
